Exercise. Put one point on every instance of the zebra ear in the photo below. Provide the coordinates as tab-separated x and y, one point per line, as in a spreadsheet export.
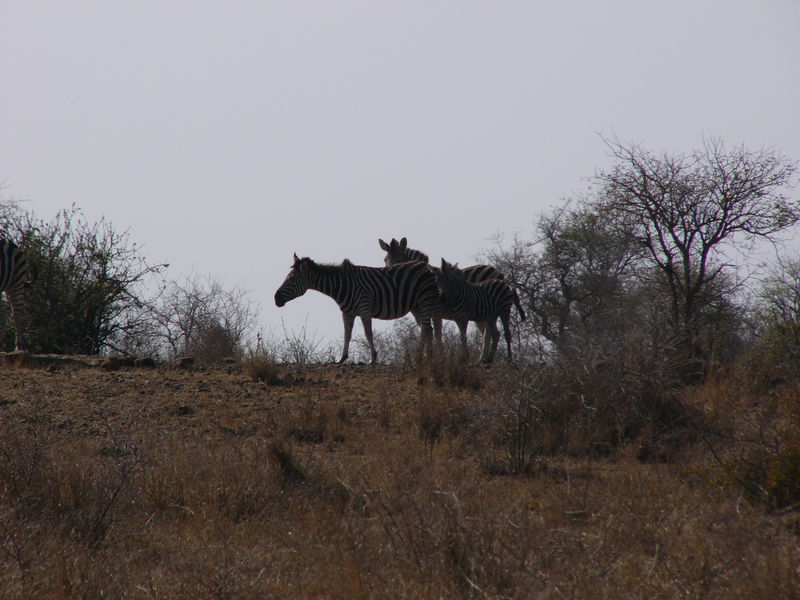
403	243
449	267
384	246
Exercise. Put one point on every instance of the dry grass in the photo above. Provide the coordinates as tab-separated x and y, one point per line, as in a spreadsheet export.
357	482
260	366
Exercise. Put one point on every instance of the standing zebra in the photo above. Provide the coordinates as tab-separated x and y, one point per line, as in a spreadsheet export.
398	252
367	292
15	275
481	302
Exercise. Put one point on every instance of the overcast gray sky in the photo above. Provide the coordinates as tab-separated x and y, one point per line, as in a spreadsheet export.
228	135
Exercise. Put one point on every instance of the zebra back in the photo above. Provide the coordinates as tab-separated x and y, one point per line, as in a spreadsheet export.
379	292
473	301
478	273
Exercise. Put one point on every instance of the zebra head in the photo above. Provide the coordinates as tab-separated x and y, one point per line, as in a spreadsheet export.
399	252
449	279
296	282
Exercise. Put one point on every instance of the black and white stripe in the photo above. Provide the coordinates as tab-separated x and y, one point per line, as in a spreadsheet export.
16	273
398	252
367	292
482	302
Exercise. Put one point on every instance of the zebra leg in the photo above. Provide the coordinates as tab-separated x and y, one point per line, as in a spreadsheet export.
348	333
495	338
426	330
367	323
437	332
15	301
505	318
462	330
487	340
3	317
426	338
490	338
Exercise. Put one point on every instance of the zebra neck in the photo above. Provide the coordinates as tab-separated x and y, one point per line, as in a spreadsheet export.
328	281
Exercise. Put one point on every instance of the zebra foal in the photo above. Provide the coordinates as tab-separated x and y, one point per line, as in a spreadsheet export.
398	252
482	302
16	273
369	293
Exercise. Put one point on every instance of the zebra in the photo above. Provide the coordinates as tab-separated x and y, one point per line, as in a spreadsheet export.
481	302
367	292
16	274
398	252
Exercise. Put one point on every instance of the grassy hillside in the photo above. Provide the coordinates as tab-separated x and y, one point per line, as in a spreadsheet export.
354	482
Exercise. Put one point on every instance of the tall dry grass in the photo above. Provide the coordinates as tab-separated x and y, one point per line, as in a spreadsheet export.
364	484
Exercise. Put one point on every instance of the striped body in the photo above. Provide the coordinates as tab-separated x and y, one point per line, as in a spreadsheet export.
367	292
398	252
15	275
482	302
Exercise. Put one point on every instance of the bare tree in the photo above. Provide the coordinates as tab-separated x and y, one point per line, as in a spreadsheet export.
780	294
684	210
574	271
777	314
201	317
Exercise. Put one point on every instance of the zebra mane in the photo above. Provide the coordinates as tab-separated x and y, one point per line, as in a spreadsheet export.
418	255
345	264
411	253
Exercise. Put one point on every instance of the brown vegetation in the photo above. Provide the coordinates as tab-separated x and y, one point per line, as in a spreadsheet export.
359	482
